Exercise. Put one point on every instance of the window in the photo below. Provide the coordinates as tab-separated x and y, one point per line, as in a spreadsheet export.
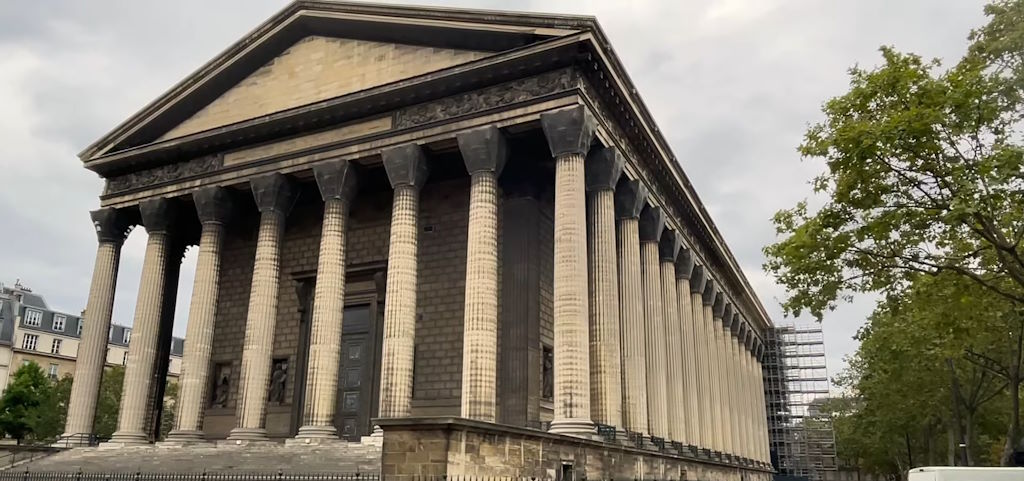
126	336
124	359
29	342
58	322
33	317
53	371
55	347
80	322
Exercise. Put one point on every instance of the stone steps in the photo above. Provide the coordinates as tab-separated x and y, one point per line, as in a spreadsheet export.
348	458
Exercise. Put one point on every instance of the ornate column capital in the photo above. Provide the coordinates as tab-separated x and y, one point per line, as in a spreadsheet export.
274	193
336	179
569	130
158	215
111	224
603	168
684	264
719	305
669	245
630	198
727	314
737	322
652	223
748	339
697	280
709	291
742	330
405	164
483	150
213	205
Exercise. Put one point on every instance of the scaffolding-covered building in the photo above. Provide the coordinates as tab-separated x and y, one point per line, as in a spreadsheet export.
796	385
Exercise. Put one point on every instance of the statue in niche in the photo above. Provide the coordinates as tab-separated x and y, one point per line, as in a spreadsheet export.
548	374
222	389
278	379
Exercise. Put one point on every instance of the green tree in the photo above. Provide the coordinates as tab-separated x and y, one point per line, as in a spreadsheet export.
169	409
109	402
19	406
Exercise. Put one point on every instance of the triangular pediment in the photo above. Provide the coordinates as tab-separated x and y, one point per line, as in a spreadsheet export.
317	50
318	68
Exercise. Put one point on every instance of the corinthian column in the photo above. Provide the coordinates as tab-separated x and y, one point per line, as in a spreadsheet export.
275	196
687	359
336	180
92	350
762	422
729	410
744	393
721	393
157	217
406	167
484	152
701	347
652	222
714	398
674	394
630	198
569	133
213	205
603	169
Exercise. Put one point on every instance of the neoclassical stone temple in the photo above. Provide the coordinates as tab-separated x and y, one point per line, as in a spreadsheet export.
446	231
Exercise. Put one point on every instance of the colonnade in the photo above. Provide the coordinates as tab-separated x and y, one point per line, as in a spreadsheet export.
645	341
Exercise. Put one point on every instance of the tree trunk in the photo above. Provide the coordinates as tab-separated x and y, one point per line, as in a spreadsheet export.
1013	381
958	423
968	450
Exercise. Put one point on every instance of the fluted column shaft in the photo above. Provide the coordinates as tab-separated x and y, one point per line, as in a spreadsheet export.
762	423
188	423
732	400
634	338
748	403
605	340
714	378
572	344
400	305
325	329
723	415
480	326
701	348
92	350
691	399
675	394
655	326
138	374
259	329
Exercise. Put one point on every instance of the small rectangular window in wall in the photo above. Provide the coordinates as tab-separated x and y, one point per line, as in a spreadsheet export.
58	322
55	347
53	371
29	342
124	360
33	317
127	336
80	323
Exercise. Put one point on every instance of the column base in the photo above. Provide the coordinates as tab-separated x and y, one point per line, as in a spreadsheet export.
317	432
581	428
76	440
247	435
728	458
122	439
704	453
716	455
182	437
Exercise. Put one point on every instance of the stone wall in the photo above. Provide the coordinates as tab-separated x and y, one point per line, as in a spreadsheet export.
450	446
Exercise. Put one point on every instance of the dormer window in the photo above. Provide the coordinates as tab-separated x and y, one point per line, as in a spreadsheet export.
33	318
58	322
126	336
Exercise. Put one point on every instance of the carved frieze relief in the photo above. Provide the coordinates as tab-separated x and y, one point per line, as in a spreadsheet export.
503	94
164	173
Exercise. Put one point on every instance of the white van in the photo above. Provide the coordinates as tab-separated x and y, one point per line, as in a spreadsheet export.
954	473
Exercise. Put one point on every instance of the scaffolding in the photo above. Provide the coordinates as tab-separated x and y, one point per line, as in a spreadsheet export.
802	442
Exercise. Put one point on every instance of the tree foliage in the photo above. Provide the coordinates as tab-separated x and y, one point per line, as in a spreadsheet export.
30	406
923	174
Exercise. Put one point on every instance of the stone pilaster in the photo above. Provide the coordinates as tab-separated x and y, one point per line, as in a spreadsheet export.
484	151
698	280
275	196
673	338
630	198
569	133
158	216
652	222
406	166
687	358
715	407
213	205
111	229
337	181
604	167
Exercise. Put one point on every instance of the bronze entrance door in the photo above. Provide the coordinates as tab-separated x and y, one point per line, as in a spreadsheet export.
358	383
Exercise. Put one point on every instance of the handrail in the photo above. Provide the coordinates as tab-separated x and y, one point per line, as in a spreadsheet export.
42	448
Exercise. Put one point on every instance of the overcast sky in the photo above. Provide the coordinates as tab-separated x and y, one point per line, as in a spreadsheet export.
732	83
